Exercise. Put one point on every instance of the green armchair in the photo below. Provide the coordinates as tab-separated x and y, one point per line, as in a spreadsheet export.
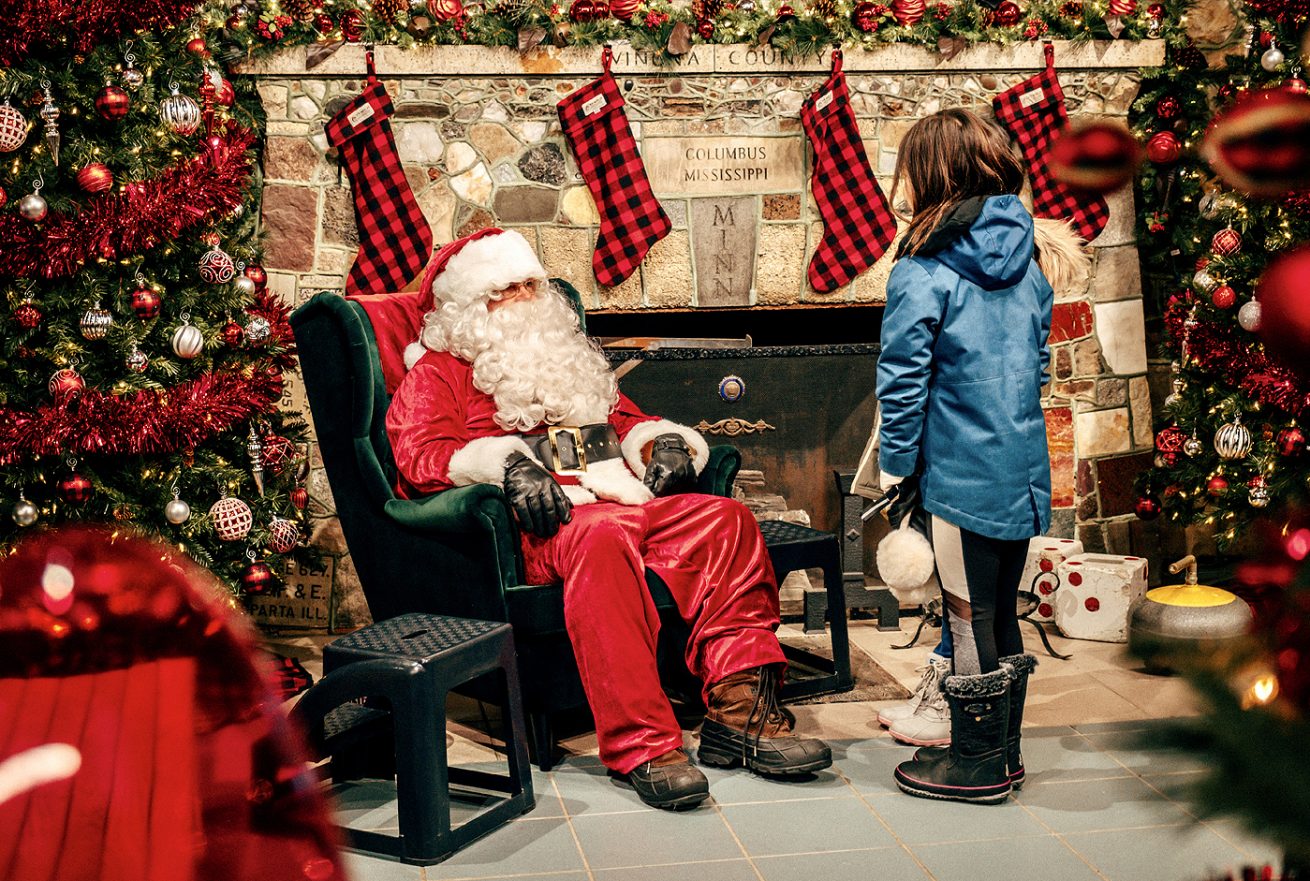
454	552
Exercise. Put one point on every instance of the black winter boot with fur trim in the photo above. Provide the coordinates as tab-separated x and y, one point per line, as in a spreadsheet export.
972	768
1021	667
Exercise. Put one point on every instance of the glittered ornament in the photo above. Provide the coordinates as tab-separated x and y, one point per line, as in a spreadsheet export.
232	518
1224	297
1167	107
65	385
95	178
258	330
1257	492
1204	282
216	266
1272	59
1226	242
1249	315
1164	148
257	578
1216	485
177	511
13	128
24	512
112	102
1097	158
1147	507
137	361
145	302
96	322
909	12
26	315
283	536
299	497
180	112
188	341
1233	440
1290	442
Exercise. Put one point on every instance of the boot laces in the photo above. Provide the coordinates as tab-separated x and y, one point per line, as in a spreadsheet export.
927	687
764	711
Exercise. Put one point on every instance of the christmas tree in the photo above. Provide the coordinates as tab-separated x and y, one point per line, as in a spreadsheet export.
1230	448
143	356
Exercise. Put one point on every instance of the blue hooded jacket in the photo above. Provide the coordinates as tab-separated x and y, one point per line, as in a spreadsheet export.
964	357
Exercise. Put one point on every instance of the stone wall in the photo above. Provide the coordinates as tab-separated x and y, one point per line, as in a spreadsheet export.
481	144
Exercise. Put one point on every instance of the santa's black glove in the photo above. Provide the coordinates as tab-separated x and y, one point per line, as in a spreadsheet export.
670	469
906	501
536	497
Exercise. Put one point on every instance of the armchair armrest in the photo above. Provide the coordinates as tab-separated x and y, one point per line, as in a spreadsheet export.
477	509
717	477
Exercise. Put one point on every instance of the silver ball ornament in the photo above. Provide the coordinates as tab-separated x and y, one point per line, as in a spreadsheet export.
177	511
1272	59
1249	316
1258	495
25	513
188	341
258	330
245	287
1193	446
32	207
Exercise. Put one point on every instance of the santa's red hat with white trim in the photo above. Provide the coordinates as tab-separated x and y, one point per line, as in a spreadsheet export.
480	264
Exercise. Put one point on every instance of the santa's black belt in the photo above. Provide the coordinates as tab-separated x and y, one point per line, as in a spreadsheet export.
567	449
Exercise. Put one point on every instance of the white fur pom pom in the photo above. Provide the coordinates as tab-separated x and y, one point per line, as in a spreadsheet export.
905	562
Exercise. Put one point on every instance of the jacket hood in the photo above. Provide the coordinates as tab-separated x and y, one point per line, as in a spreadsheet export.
987	241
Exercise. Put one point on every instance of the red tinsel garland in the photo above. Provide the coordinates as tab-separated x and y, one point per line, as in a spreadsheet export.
84	24
155	421
1220	347
146	214
1281	10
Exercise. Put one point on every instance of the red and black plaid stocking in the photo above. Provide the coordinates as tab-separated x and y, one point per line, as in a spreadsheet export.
1033	111
631	219
857	224
395	240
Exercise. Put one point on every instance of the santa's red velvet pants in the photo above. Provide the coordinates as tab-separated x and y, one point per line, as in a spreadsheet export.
710	553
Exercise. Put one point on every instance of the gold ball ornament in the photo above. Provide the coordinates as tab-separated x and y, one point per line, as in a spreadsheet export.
180	112
96	322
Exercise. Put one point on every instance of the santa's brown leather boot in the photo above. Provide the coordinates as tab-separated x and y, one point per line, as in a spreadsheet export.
744	725
670	781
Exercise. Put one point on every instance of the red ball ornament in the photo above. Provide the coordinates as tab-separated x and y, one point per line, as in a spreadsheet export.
257	579
1290	442
1295	85
1147	507
75	489
233	335
196	46
1006	14
279	453
1156	11
1170	439
95	178
624	9
909	12
324	24
1123	7
581	11
1261	145
1285	308
445	10
1096	158
865	16
1167	107
283	536
256	273
226	93
1164	148
1226	243
145	303
784	13
112	102
1224	297
352	25
27	316
705	28
299	497
1216	486
65	385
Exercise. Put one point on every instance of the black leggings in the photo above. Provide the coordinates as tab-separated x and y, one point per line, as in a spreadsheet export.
980	591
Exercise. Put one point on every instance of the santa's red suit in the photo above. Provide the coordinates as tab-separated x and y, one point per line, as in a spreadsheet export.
444	432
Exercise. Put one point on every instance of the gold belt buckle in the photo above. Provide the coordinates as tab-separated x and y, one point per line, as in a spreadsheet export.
575	439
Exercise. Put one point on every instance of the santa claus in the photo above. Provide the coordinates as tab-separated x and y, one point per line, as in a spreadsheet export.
503	387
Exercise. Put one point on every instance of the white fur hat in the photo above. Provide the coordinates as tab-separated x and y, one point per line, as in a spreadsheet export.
471	268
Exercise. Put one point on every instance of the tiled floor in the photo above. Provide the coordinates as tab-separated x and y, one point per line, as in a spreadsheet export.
1097	805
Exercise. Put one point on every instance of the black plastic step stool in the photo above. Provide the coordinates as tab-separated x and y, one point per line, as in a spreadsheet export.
402	669
791	547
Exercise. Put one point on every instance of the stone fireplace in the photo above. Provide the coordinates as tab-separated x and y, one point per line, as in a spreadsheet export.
721	137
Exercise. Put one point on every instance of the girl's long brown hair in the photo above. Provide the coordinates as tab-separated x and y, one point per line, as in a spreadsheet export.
946	158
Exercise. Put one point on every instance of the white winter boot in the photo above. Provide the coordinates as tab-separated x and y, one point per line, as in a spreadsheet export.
930	723
929	684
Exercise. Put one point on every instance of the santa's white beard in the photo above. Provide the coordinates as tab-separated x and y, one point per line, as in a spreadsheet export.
530	357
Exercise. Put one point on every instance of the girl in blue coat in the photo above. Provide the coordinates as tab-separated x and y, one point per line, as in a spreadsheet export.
964	358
